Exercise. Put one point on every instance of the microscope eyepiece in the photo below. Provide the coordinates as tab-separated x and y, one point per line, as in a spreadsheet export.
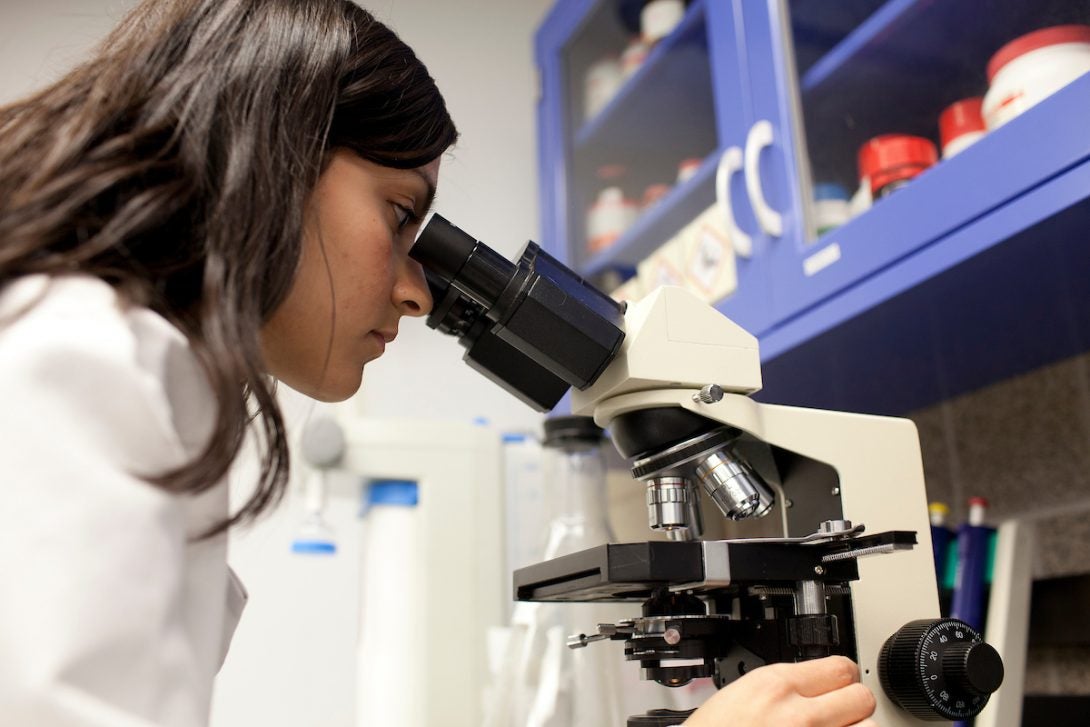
454	257
534	327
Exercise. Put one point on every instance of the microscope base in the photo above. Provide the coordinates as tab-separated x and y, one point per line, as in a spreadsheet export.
660	718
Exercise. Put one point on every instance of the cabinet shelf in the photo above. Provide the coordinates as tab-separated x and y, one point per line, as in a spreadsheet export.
869	40
819	26
659	223
1003	295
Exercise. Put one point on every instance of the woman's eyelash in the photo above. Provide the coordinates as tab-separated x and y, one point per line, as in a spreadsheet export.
410	217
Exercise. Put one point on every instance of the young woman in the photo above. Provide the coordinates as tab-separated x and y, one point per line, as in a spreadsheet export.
222	197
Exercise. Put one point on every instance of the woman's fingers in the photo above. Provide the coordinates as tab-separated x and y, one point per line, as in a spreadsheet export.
820	693
847	706
818	676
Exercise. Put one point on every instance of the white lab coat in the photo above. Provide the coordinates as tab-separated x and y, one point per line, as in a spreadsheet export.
110	613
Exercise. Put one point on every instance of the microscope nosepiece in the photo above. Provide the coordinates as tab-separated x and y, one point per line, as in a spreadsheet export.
710	459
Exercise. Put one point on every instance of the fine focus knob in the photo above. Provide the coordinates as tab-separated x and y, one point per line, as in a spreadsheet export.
974	668
939	669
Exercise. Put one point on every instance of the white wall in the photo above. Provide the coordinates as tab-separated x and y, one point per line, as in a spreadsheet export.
291	662
40	39
481	55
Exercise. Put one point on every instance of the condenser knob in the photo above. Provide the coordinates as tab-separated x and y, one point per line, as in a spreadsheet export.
939	669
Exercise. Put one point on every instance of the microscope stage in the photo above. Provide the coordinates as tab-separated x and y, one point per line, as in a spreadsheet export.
633	571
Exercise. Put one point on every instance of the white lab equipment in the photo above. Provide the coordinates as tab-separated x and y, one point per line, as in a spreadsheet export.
456	558
540	682
313	607
391	607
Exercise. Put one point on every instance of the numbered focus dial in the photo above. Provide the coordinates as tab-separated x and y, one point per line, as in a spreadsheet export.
939	669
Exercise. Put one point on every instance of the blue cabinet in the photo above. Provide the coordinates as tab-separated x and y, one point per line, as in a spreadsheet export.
974	271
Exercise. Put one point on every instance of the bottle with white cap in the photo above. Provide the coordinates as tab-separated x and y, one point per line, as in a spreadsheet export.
1029	69
831	207
658	18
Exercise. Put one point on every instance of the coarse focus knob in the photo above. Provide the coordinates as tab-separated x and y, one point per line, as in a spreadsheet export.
939	669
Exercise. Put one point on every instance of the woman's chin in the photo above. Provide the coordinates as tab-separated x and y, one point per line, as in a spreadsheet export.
331	389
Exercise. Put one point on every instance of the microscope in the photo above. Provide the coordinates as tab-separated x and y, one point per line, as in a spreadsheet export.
848	569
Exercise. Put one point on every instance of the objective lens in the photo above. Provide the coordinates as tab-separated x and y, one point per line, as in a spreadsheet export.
668	503
673	506
737	490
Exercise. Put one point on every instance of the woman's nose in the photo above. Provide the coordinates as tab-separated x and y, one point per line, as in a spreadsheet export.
412	296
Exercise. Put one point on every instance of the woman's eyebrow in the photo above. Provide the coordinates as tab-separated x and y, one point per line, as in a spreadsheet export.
429	199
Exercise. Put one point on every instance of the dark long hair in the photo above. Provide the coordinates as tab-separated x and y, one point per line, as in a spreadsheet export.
176	165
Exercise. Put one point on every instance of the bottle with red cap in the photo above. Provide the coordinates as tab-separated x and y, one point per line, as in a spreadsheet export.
612	212
890	161
634	56
961	125
1029	69
652	194
688	168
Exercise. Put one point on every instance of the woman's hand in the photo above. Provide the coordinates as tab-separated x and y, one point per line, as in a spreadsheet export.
819	693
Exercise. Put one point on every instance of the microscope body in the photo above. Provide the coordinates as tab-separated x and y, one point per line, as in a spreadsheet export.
832	466
847	568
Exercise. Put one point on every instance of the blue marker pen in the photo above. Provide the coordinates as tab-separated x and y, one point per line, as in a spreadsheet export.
974	546
972	553
941	539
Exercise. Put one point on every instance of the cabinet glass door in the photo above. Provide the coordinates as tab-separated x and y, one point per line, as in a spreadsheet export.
635	114
635	132
894	123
